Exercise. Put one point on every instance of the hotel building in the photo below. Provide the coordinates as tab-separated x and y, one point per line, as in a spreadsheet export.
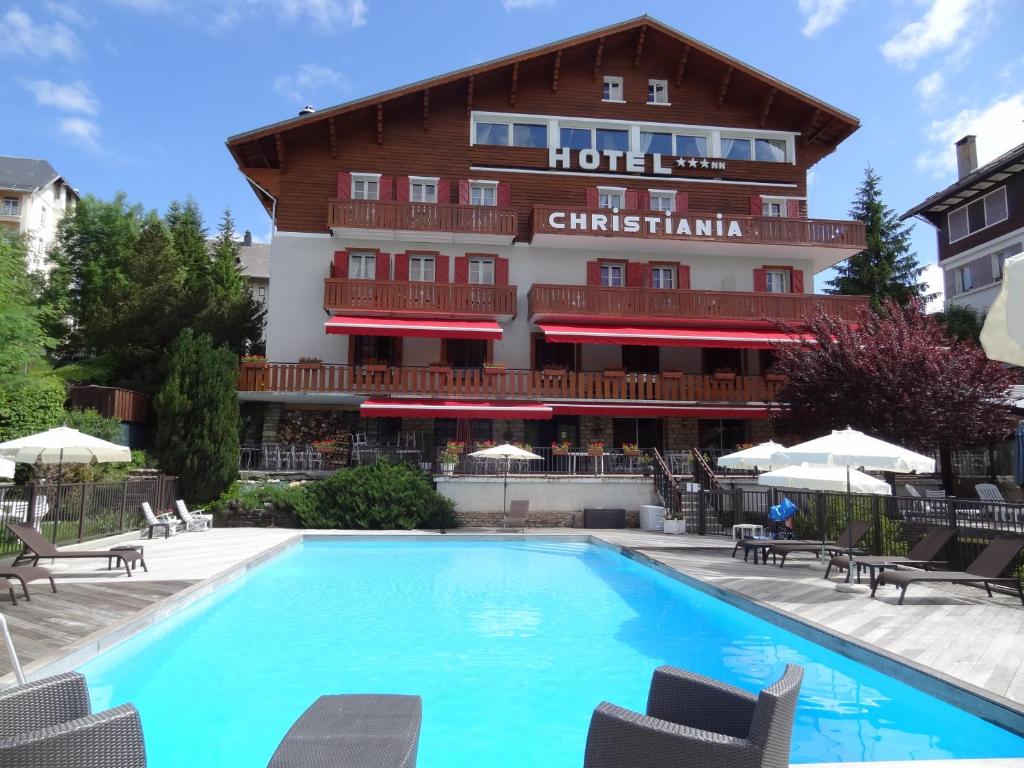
594	240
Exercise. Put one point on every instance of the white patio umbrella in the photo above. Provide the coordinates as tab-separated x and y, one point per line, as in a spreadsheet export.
763	456
851	449
1003	334
811	478
508	453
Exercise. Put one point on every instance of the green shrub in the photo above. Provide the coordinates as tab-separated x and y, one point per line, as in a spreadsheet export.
381	496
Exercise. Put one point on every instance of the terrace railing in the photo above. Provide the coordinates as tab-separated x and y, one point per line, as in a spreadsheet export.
421	217
573	461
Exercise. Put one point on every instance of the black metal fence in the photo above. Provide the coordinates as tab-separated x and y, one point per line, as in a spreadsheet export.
74	512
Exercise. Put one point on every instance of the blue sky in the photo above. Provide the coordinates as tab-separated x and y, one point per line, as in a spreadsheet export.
139	95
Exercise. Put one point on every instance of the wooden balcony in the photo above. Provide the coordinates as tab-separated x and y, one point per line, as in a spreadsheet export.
398	299
472	221
476	383
648	306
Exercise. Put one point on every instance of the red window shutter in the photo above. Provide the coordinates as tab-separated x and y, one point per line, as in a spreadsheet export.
344	186
386	183
793	209
635	274
761	280
340	264
756	207
632	200
592	197
461	269
444	192
682	202
440	269
464	192
645	275
593	273
383	264
796	281
684	276
500	271
504	194
402	189
643	200
402	267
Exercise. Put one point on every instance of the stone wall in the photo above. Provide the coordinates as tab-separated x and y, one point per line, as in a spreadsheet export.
759	431
596	428
681	434
266	516
537	519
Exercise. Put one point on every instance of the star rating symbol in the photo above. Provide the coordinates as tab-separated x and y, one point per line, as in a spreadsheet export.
704	163
681	162
693	162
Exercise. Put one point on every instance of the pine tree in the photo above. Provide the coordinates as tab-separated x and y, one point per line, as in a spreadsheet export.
232	315
197	417
887	269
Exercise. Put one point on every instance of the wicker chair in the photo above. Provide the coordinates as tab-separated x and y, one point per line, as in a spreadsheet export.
48	723
695	721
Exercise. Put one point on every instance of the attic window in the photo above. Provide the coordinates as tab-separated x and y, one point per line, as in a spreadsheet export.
612	89
657	91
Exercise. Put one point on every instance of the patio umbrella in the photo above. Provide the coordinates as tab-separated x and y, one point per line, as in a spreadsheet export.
763	456
1003	334
811	478
849	448
506	452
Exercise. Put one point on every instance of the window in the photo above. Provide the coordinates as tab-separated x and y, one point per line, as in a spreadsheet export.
365	186
481	271
611	197
655	143
362	265
612	88
492	133
516	134
422	190
999	258
261	294
777	280
639	359
575	138
373	348
483	193
421	269
466	353
12	206
692	146
770	150
548	354
657	91
664	201
773	206
42	216
529	135
663	277
965	277
983	212
608	138
735	149
613	275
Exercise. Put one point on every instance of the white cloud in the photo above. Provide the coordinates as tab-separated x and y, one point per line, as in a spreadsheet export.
821	14
932	279
148	6
525	5
308	79
84	131
23	37
946	24
929	86
323	15
999	127
66	12
73	97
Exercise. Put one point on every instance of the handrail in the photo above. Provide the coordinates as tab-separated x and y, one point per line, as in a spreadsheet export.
702	471
666	486
19	674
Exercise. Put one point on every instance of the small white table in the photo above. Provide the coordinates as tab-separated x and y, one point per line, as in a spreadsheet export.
747	529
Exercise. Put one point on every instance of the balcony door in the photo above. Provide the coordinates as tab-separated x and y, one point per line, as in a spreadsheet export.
646	433
719	436
465	353
368	350
723	360
637	359
547	354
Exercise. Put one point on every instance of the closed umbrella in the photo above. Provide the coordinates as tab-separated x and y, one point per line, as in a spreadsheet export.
508	453
763	456
1003	334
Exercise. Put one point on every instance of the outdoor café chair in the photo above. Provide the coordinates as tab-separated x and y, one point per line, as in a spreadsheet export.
194	521
692	720
923	554
37	547
155	521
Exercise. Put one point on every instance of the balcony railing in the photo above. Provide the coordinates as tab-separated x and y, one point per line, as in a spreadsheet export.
704	227
387	297
503	384
577	300
422	217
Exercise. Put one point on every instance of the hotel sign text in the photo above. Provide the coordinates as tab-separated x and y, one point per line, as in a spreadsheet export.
628	162
587	222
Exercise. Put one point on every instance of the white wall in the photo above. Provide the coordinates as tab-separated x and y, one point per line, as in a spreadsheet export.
553	494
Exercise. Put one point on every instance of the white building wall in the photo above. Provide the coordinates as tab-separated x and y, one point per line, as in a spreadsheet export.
40	213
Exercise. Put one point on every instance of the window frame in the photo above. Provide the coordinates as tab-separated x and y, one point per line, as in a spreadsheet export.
610	82
421	259
482	185
607	190
662	194
673	271
13	210
610	265
785	274
364	178
480	260
423	181
653	83
363	257
782	202
963	209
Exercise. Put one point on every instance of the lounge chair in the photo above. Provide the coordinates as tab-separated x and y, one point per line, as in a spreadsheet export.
24	574
37	547
693	720
987	569
785	547
49	723
922	554
193	520
518	515
988	492
5	584
154	521
912	492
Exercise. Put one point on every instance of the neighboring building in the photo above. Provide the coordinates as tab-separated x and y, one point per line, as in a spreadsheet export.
254	260
980	223
33	200
619	219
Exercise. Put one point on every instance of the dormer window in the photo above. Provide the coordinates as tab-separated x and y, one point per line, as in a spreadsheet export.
657	91
423	189
366	186
612	89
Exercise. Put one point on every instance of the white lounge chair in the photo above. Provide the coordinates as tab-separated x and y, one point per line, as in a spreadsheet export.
999	510
155	521
518	515
194	521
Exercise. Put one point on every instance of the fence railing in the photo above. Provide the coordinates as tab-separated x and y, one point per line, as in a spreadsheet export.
75	512
574	461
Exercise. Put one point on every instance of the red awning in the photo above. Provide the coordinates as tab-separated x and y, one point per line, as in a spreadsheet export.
441	329
456	409
656	410
668	337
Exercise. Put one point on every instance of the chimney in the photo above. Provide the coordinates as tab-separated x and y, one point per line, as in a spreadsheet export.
966	156
247	238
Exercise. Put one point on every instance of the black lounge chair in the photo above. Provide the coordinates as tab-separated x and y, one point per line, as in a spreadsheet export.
37	547
24	574
923	554
846	541
987	569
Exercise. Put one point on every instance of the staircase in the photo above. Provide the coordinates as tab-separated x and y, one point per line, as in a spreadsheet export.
702	472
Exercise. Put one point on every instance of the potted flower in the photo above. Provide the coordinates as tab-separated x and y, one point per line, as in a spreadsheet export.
494	368
483	445
646	465
324	446
523	447
455	447
440	367
254	361
560	448
310	362
725	374
630	449
674	524
449	457
595	448
554	370
374	365
615	373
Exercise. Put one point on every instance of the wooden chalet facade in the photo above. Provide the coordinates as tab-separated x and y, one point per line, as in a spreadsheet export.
591	240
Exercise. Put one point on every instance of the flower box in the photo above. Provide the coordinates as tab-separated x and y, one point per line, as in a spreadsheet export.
554	371
595	450
440	369
775	377
631	452
376	367
614	373
254	365
725	375
559	451
493	368
675	526
671	374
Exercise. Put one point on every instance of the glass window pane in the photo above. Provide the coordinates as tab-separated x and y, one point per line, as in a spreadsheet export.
655	143
529	135
575	138
608	138
957	224
770	150
492	133
736	149
692	146
995	207
976	215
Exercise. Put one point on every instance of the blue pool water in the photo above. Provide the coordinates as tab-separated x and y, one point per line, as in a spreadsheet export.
510	644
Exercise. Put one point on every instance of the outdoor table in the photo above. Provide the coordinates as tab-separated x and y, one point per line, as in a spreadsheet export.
747	530
132	547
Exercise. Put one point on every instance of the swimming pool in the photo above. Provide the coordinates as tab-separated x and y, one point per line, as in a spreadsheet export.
511	644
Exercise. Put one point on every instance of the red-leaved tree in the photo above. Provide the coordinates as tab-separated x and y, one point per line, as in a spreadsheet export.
896	376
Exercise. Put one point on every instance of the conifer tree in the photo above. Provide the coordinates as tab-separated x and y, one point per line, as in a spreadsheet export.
887	269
